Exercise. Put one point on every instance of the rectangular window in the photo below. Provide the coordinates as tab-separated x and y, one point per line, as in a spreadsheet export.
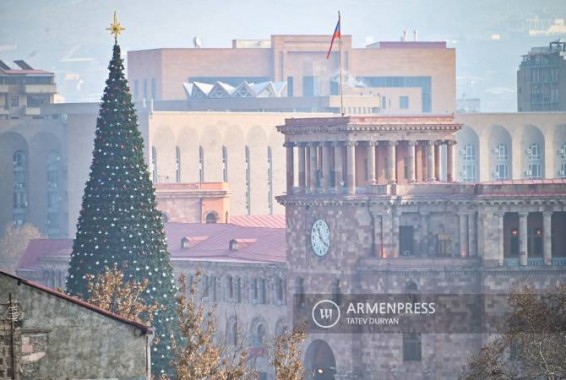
14	101
501	172
404	102
412	347
310	86
145	88
153	88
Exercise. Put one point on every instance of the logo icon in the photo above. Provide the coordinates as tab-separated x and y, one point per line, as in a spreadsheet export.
326	314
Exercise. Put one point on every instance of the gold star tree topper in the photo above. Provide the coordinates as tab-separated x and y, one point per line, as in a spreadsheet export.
115	28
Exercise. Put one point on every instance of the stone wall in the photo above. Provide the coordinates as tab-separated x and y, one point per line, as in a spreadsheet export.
58	337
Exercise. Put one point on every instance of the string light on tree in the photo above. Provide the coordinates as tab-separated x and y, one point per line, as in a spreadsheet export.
119	225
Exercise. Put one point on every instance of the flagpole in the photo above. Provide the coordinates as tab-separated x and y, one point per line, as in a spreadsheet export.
340	64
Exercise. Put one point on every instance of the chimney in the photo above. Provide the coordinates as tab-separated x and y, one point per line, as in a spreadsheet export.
414	35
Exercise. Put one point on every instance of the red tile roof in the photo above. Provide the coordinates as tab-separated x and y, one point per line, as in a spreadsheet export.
269	221
38	248
260	244
267	245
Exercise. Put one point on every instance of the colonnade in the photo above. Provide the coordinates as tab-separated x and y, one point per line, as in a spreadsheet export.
343	166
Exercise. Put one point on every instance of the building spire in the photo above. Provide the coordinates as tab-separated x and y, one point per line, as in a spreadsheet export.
115	28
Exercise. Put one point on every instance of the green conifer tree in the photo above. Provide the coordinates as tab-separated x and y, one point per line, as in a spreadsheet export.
119	224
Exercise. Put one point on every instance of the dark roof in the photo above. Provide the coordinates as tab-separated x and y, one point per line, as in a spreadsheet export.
145	329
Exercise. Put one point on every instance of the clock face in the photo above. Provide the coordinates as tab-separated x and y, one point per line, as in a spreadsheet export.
320	238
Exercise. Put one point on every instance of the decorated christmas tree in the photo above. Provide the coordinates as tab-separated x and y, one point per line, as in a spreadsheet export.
119	224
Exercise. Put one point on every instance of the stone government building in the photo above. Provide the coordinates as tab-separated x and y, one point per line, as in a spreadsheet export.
436	201
412	235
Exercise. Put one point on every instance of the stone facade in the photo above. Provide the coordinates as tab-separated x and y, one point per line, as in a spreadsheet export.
400	232
46	335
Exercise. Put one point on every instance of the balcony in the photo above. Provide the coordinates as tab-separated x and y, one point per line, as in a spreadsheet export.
40	88
513	262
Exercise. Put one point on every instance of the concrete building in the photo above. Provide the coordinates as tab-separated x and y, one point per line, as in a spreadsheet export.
541	83
45	334
226	139
384	72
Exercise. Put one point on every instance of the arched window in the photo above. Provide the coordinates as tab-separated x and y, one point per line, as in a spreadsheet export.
501	171
229	288
263	291
412	347
259	335
254	290
154	163
468	173
279	289
19	168
178	164
224	164
53	192
205	286
238	289
534	157
211	218
562	153
201	164
232	331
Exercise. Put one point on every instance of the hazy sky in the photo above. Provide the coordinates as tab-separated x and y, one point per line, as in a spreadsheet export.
69	36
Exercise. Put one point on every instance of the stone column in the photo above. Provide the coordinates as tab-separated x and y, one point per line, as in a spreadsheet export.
411	175
500	253
289	146
523	254
472	228
463	221
391	161
302	168
429	160
425	243
351	162
371	161
339	180
395	216
312	167
546	234
450	148
325	168
437	160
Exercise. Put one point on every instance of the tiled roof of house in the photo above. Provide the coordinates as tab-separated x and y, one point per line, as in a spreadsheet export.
205	242
256	244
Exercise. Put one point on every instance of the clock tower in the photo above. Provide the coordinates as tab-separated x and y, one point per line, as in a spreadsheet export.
345	220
